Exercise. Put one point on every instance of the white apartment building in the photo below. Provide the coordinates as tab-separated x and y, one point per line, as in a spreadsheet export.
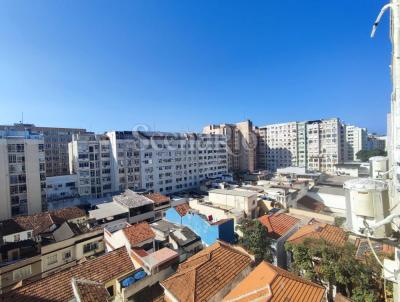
280	145
168	162
325	144
241	143
356	140
22	173
152	161
376	142
315	145
90	159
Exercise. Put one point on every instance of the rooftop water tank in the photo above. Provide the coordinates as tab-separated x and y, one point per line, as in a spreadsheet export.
378	166
366	201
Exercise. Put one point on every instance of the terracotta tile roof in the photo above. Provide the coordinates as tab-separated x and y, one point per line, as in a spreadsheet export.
89	291
67	214
157	197
58	288
182	209
203	275
327	232
311	204
10	226
273	284
41	222
138	233
278	224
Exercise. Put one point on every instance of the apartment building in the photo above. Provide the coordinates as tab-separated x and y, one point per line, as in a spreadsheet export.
315	145
165	162
55	145
90	159
22	173
356	140
241	144
325	144
280	141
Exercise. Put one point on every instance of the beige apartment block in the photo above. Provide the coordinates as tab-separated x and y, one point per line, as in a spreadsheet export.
22	173
241	143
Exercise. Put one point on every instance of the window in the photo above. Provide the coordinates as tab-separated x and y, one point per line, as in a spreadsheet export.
22	273
52	259
66	255
110	290
91	246
17	237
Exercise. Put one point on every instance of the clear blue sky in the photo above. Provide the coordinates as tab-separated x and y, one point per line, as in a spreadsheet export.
177	65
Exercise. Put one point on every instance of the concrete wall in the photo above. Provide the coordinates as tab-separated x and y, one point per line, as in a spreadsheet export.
247	204
336	203
33	188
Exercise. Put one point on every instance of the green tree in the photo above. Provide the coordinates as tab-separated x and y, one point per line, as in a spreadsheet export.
331	265
364	155
255	239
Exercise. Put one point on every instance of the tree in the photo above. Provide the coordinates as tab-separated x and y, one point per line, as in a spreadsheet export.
329	264
255	239
364	155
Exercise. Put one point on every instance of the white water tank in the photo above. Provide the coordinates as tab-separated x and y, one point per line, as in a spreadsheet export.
367	200
378	166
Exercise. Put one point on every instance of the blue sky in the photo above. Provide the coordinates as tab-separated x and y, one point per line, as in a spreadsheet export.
177	65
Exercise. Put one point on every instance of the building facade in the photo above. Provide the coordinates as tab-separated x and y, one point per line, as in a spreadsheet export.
90	159
241	143
356	140
22	173
151	161
55	145
315	145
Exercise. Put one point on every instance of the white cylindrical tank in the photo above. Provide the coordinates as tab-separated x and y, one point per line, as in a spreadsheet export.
366	201
378	166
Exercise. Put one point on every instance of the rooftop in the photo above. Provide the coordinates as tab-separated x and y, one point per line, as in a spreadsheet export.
138	233
273	284
328	190
57	287
160	257
132	199
182	209
242	193
41	222
10	226
157	197
278	224
203	275
184	236
164	225
108	209
310	203
323	231
89	291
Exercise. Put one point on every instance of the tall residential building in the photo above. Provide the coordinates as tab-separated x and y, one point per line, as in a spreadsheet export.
280	146
55	145
325	144
90	159
356	140
241	143
315	145
151	161
22	173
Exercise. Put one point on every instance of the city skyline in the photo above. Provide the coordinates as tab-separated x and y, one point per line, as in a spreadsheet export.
110	68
